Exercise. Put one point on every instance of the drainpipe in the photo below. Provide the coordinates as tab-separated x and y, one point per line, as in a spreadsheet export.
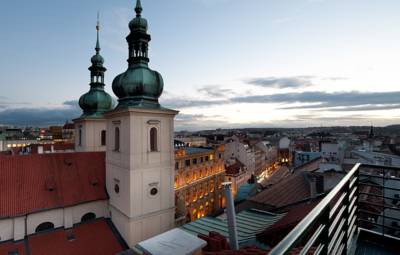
230	212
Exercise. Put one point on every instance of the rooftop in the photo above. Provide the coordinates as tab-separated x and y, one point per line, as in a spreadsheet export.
249	223
37	182
89	238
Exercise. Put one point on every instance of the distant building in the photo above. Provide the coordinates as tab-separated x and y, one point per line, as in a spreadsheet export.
284	152
235	149
199	173
193	141
68	132
237	174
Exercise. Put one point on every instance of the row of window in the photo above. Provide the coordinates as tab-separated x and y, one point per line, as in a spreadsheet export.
46	226
153	138
102	137
196	161
188	177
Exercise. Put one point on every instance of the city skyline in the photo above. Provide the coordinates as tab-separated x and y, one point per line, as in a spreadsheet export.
229	64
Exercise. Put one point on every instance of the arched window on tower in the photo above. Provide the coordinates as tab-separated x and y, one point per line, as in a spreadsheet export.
153	139
80	137
117	139
103	137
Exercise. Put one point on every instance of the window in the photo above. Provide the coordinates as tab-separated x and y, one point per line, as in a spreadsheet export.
194	161
176	165
117	139
187	162
153	139
44	226
201	160
80	137
206	158
153	191
103	138
219	155
116	188
88	217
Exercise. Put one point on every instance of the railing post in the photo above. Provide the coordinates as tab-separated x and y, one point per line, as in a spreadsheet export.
346	214
357	195
325	233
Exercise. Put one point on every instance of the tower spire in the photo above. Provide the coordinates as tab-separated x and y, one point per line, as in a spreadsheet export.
138	8
98	31
96	102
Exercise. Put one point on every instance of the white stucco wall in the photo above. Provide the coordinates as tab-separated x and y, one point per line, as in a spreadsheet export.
54	216
136	170
91	134
6	229
16	228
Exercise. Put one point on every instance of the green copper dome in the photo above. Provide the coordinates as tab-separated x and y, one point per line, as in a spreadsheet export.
138	83
97	60
138	86
96	102
138	23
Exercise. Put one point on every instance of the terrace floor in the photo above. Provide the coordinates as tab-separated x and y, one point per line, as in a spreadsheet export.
369	248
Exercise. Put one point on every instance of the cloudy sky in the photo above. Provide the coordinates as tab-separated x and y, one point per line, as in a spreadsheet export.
225	63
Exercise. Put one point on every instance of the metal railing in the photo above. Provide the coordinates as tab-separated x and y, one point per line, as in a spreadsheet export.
365	199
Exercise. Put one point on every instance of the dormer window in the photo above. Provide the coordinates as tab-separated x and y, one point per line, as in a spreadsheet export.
153	139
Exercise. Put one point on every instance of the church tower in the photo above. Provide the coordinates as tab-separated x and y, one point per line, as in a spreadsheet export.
140	153
90	127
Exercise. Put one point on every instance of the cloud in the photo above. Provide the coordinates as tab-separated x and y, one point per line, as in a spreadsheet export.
7	103
319	99
282	82
215	91
40	116
179	103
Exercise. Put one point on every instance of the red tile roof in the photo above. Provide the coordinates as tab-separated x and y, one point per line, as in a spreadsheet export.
69	126
274	234
7	247
291	190
234	169
217	245
89	238
25	181
277	176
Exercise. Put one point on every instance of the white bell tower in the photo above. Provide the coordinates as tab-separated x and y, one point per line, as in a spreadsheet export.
140	152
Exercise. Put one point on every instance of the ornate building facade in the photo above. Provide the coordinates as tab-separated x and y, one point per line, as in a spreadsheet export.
199	173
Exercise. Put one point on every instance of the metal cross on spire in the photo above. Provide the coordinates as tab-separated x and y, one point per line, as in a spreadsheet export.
98	30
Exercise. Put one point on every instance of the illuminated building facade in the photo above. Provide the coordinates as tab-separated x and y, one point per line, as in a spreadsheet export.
199	173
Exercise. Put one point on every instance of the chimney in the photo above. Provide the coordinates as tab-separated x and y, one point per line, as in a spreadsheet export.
313	187
230	212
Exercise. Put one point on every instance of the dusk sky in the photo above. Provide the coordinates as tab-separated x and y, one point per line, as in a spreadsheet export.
225	63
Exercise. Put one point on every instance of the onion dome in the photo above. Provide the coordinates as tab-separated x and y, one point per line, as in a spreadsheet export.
96	102
138	86
138	23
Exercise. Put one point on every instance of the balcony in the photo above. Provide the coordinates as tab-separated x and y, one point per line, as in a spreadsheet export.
361	215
